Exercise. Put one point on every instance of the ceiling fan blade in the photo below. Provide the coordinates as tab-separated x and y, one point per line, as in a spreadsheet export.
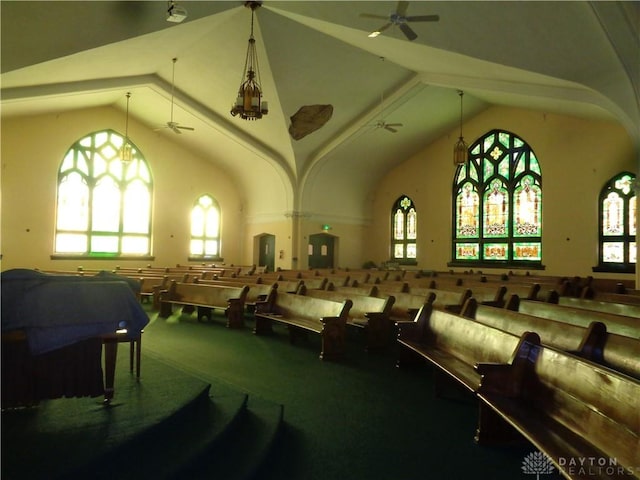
392	130
371	15
402	8
395	125
423	18
185	128
408	32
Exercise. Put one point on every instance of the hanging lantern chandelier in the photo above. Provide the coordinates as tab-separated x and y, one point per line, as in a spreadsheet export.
249	104
126	153
461	149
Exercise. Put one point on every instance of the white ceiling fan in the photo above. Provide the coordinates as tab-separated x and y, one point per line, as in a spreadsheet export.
175	126
400	18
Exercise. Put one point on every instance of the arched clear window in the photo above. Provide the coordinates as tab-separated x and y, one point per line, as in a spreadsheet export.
103	206
497	204
404	231
205	228
617	213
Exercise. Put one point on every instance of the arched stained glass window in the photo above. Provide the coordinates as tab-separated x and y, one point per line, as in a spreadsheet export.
404	232
103	205
205	228
617	212
497	203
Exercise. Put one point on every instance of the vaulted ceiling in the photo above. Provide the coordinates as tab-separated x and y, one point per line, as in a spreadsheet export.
576	58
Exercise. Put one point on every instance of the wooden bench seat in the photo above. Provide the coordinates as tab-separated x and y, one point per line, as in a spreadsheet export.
455	344
487	295
205	298
569	408
257	292
367	312
592	341
306	314
626	309
618	324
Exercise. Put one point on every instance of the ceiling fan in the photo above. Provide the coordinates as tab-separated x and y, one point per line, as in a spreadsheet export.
400	19
175	126
381	123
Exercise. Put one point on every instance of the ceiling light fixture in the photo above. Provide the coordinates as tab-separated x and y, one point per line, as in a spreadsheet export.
249	104
461	150
126	153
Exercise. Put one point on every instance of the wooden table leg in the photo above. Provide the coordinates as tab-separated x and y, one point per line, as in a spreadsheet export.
110	356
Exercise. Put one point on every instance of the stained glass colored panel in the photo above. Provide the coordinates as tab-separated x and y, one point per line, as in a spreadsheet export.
106	244
135	245
71	243
496	251
197	222
612	214
211	247
136	218
106	206
496	210
527	251
527	198
411	224
632	216
398	225
467	251
632	252
468	212
398	250
613	252
73	205
411	250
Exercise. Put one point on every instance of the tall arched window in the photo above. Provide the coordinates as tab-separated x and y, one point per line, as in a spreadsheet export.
497	204
104	204
205	228
617	212
404	231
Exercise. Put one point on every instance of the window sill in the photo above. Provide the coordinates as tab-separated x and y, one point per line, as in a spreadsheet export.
65	256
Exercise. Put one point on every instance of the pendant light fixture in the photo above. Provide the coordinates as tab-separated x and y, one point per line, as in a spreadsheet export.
249	104
461	149
126	153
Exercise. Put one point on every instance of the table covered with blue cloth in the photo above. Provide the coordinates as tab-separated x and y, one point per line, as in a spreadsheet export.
61	321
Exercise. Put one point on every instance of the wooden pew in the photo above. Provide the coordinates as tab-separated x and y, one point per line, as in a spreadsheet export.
592	342
368	290
367	312
304	314
628	310
257	292
618	324
494	295
569	408
603	296
205	298
454	345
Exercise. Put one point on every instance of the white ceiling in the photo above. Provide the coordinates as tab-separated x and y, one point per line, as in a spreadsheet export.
577	58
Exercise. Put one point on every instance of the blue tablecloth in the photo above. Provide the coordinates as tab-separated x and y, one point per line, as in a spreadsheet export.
59	310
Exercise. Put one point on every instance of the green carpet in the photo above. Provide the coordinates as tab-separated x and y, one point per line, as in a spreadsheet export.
361	418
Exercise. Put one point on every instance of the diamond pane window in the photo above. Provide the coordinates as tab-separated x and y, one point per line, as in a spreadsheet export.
404	221
103	205
497	201
617	212
205	228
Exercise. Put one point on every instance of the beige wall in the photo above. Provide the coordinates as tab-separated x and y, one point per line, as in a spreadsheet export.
32	149
576	157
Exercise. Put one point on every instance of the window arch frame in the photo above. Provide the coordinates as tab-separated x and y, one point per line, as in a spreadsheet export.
204	238
97	164
404	206
625	189
500	165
